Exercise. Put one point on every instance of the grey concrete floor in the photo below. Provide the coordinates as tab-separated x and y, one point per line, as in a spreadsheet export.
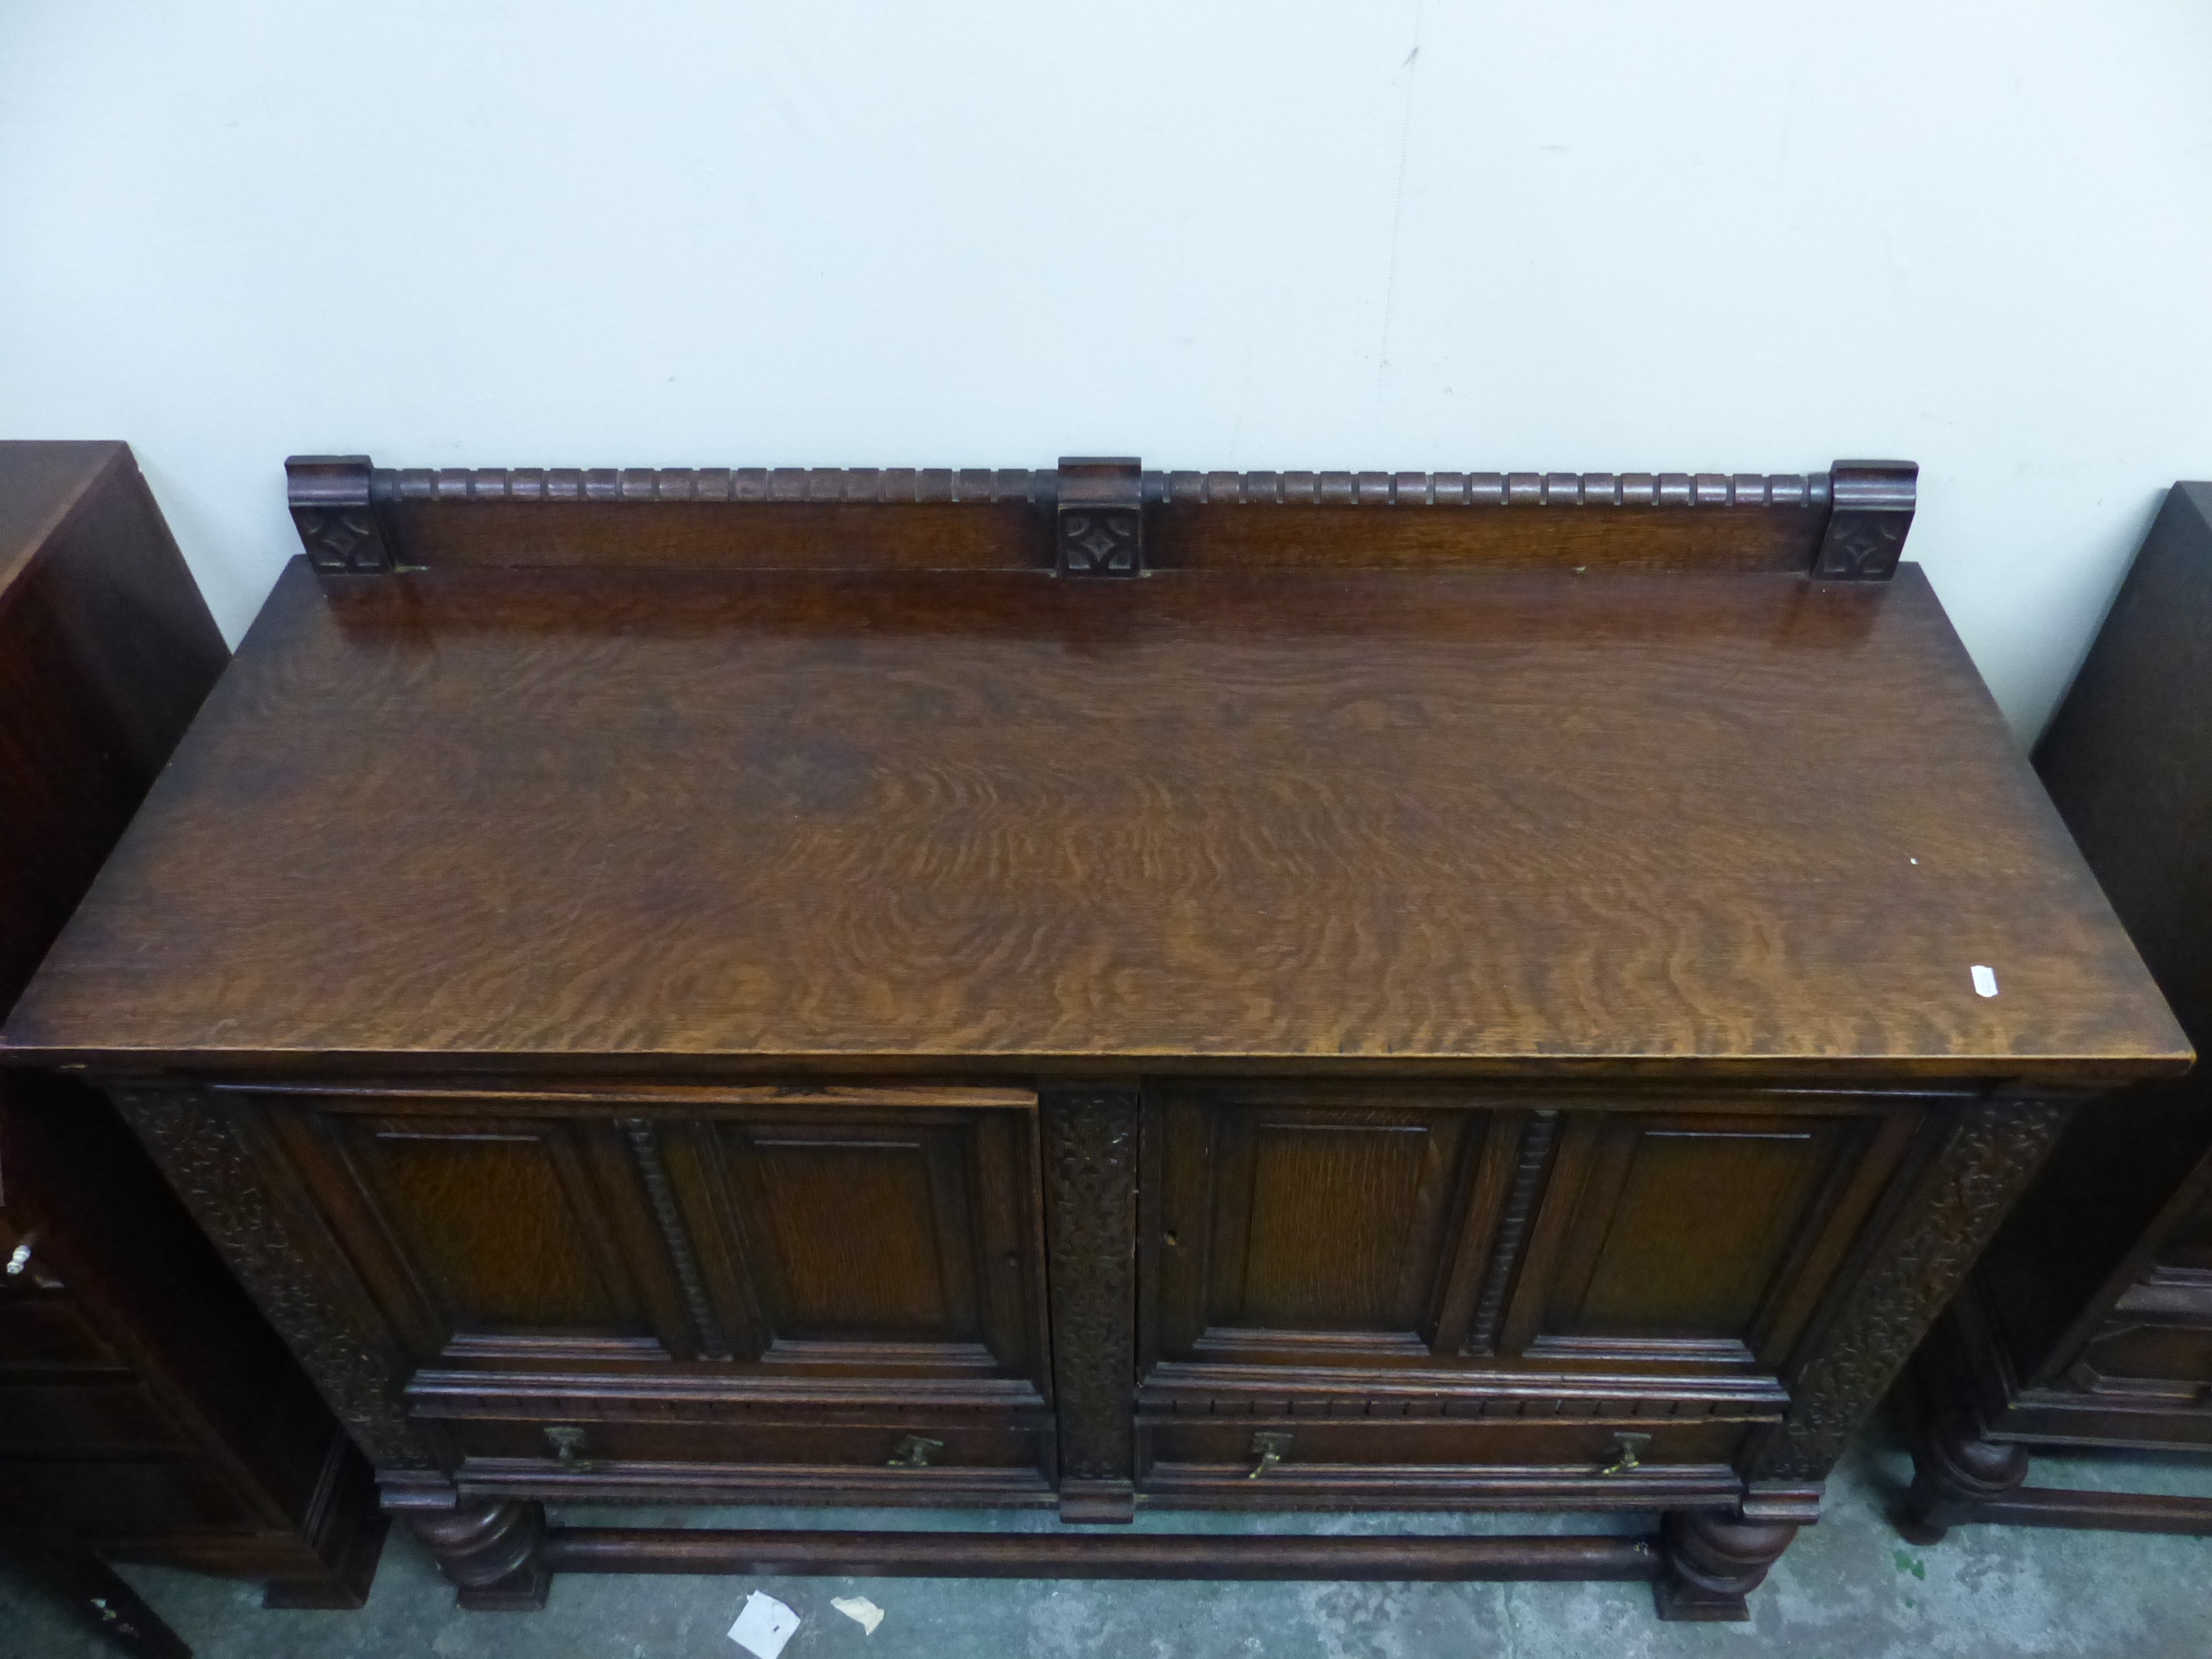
1850	1587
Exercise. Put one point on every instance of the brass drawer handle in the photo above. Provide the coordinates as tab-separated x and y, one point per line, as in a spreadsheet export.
1627	1450
1270	1446
915	1452
567	1442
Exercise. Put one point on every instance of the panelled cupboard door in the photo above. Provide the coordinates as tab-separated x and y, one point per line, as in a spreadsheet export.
894	1240
845	1233
1303	1224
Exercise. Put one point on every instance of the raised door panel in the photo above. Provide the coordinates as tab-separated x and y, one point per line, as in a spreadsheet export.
900	1241
493	1238
1291	1225
1696	1238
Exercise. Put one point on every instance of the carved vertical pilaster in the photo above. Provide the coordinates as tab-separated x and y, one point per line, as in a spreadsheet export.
1090	1236
675	1237
1536	1141
1993	1147
200	1144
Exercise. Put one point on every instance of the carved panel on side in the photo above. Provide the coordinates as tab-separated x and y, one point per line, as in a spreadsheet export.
199	1144
1990	1151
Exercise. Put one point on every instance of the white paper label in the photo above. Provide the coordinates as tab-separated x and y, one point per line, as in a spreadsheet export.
763	1626
1986	980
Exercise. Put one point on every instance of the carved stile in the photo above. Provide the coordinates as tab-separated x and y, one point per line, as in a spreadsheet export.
1090	1183
675	1237
1536	1142
1994	1148
206	1160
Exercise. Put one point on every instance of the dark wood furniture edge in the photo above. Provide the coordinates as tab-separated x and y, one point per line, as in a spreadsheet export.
1086	517
2006	1375
39	532
1973	1429
106	1602
2108	1511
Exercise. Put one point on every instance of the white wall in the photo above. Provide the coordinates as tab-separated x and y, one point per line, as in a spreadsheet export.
1267	233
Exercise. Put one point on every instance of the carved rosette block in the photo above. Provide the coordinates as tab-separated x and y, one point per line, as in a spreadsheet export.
489	1550
330	509
202	1150
1090	1188
1872	511
1711	1559
1099	520
1993	1147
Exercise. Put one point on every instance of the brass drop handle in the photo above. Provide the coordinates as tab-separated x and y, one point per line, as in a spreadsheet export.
915	1452
567	1442
1627	1448
1270	1446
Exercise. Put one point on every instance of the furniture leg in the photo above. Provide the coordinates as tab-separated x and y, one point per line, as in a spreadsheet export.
489	1549
1711	1559
1954	1473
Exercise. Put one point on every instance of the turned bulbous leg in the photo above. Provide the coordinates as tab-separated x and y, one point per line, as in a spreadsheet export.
489	1550
1954	1473
1711	1559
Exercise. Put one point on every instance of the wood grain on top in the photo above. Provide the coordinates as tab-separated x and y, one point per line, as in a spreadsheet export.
1298	818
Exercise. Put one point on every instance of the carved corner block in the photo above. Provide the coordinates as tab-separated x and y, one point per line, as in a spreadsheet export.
330	509
1099	520
1091	1233
1870	514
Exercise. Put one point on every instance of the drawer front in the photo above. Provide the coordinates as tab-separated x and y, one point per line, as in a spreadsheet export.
874	1446
83	1419
891	1232
40	1330
120	1499
888	1462
1260	1461
1300	1224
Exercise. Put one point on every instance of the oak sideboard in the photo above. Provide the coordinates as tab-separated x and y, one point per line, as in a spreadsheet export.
1098	987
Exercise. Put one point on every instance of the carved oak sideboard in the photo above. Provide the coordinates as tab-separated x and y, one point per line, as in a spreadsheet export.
2089	1322
1100	986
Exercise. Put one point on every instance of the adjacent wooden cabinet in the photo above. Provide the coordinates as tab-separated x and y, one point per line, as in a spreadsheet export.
1100	988
2090	1324
147	1413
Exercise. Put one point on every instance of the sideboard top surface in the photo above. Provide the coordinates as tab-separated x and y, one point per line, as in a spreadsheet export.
561	818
